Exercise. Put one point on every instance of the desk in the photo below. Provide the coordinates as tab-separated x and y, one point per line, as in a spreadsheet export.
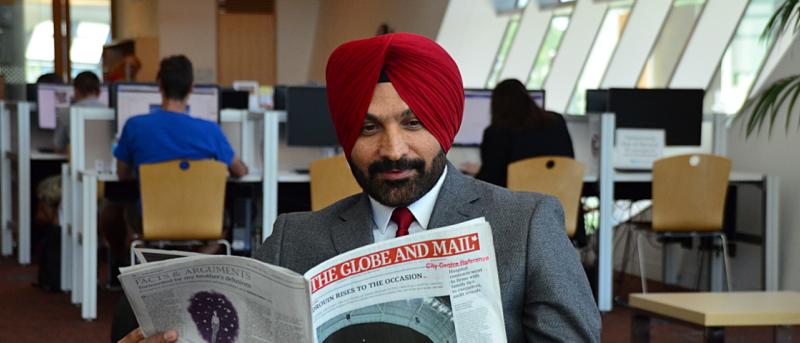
48	156
715	311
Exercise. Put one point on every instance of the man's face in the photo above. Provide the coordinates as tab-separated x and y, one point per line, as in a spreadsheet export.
395	159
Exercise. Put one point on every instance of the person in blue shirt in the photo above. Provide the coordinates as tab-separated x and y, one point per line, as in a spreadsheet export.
169	133
165	134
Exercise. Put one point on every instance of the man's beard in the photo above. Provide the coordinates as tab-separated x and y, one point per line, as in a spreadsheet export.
400	193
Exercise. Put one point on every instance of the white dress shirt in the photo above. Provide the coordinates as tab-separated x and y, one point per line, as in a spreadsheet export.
421	209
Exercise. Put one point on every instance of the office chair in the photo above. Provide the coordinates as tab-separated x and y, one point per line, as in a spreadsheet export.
561	177
331	181
688	201
182	201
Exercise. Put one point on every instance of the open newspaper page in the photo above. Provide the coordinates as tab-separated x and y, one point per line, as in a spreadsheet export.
434	286
219	299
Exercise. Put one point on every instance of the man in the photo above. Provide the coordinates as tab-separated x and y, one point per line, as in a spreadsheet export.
86	88
169	133
397	101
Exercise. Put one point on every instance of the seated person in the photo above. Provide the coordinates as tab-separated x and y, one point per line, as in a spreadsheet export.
87	93
519	129
169	133
165	134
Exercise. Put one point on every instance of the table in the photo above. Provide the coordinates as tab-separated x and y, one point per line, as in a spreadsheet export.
713	312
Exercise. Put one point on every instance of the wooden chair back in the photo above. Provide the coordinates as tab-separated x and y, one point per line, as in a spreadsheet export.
182	200
331	181
689	192
561	177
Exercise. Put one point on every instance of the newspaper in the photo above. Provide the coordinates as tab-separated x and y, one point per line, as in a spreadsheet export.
434	286
145	255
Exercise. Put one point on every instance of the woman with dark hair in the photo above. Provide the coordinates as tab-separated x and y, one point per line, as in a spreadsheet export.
519	129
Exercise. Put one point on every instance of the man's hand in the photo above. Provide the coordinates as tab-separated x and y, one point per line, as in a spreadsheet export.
124	171
137	336
237	168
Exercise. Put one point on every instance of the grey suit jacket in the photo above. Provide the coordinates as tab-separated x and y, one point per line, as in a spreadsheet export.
545	293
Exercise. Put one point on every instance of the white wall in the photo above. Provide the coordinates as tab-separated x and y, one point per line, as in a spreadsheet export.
296	28
471	32
343	20
711	36
647	18
572	55
777	155
532	29
189	27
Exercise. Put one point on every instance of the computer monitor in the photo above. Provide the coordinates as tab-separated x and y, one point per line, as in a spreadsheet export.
131	99
596	100
679	112
538	97
233	99
308	120
478	115
279	98
50	97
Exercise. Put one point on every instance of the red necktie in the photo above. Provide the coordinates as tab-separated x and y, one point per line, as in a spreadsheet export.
403	218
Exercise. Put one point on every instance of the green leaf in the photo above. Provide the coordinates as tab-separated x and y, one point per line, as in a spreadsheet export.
791	104
761	109
768	104
786	90
780	20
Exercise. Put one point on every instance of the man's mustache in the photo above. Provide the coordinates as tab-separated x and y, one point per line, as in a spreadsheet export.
386	165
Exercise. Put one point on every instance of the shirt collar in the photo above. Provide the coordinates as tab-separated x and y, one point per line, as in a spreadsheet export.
421	209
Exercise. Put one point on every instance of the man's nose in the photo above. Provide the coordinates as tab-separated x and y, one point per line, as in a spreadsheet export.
393	144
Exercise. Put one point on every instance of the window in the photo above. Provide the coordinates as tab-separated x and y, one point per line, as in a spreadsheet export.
742	61
552	41
672	40
604	45
38	24
90	29
505	47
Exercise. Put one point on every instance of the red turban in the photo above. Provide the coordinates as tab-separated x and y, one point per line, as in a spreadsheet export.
424	74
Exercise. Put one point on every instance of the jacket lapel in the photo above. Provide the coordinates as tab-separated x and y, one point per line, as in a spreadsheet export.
456	200
355	228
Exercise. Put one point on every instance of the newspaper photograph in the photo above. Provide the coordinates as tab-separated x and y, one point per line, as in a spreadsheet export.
434	286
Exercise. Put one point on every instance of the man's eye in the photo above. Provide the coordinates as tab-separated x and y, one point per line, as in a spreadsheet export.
368	129
414	123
